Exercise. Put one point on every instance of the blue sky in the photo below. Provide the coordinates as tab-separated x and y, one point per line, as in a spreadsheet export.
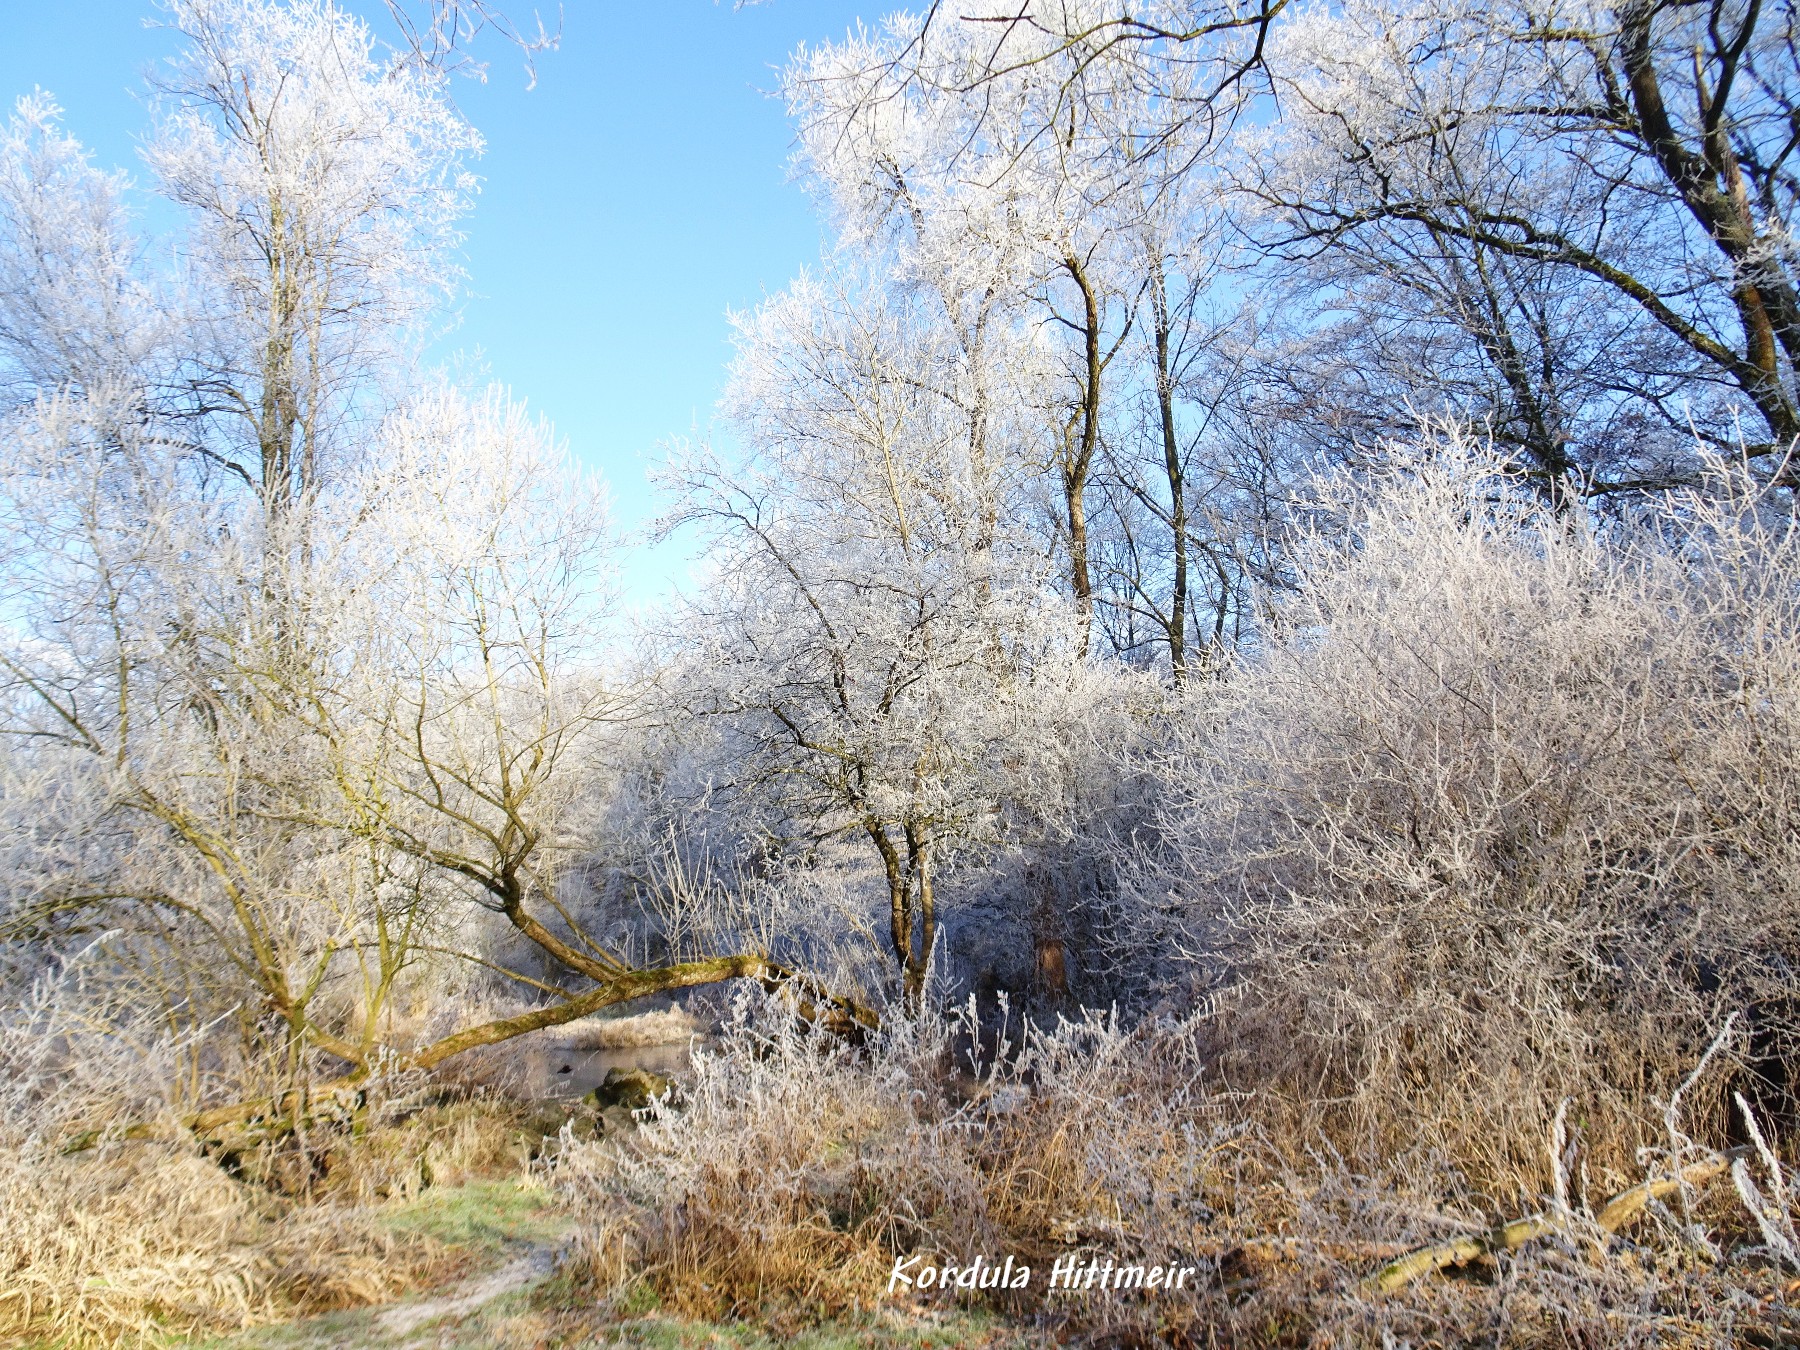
631	198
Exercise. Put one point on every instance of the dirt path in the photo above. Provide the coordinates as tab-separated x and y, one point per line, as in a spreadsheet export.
402	1319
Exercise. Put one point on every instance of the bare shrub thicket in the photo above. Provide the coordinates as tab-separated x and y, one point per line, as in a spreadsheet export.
1501	811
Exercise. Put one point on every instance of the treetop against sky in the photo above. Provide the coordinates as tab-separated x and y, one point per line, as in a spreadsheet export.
626	203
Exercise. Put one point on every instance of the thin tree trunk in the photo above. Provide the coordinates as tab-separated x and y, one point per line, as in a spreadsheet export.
1078	460
1178	522
918	960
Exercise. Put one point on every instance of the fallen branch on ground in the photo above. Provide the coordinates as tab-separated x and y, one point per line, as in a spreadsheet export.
1614	1215
338	1096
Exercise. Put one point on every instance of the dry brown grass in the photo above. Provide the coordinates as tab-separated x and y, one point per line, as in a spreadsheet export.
398	1150
113	1243
796	1171
721	1213
118	1242
151	1229
796	1168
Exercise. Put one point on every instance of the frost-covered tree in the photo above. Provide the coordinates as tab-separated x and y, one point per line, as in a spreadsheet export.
1570	220
76	310
249	774
1087	140
990	207
322	186
305	645
876	630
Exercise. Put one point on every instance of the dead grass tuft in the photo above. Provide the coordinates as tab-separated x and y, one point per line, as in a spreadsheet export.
117	1243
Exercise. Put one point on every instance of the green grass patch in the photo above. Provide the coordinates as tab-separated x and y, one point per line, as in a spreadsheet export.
481	1217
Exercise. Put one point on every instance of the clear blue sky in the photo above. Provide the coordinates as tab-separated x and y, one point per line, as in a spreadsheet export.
631	198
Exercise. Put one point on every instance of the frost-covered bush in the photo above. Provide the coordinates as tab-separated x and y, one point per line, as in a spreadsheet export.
797	1174
797	1168
1502	809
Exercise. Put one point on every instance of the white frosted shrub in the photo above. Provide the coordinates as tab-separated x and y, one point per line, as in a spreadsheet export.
1502	810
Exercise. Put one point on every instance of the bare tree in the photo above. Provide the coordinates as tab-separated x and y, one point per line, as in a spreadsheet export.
1594	201
323	191
880	642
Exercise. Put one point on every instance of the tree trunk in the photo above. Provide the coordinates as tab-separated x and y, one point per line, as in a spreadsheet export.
1078	457
1178	524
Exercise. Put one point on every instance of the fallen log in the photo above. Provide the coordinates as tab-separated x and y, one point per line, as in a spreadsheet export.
1614	1215
812	1002
335	1098
338	1097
